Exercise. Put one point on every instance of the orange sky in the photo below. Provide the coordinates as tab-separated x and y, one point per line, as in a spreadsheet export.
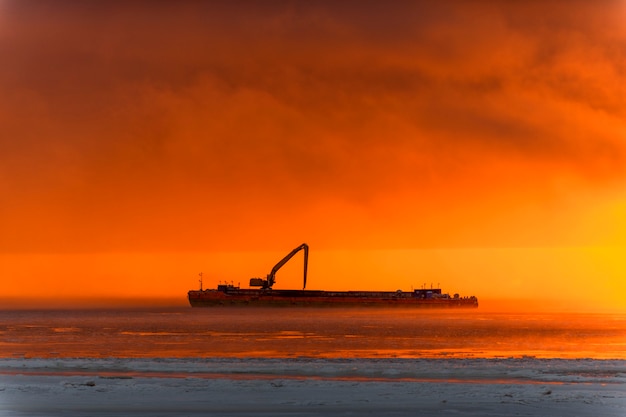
479	145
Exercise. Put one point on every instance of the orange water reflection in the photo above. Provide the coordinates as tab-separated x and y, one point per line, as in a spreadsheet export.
315	333
272	376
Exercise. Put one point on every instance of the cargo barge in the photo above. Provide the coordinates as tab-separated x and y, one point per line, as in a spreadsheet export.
231	295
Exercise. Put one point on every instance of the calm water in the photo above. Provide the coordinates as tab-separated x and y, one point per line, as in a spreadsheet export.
310	333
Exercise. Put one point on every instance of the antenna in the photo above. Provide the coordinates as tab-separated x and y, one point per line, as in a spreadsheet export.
200	280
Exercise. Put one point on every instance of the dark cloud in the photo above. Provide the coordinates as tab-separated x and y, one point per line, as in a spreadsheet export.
125	118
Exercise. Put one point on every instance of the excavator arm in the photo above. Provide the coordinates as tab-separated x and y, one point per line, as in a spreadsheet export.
271	277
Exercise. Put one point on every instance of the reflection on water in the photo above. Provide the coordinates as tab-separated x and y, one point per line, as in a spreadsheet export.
309	332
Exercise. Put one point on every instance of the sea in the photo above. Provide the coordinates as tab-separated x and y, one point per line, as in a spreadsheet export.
236	340
301	361
324	333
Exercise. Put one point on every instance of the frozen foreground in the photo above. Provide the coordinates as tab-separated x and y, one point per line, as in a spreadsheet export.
300	387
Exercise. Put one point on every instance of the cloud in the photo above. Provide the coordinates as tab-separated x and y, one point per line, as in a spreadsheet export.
135	125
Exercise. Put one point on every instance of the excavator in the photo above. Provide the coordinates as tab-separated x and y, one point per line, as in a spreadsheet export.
267	283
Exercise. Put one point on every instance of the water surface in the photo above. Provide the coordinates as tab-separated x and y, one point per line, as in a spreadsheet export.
308	333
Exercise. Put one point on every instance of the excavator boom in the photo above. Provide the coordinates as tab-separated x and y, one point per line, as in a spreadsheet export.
271	277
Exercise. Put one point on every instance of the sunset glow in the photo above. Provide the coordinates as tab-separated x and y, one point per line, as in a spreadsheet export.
475	146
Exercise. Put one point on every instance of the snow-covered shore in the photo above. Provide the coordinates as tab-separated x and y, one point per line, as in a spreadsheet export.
293	387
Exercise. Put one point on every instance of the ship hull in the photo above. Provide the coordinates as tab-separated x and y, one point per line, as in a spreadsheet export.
309	298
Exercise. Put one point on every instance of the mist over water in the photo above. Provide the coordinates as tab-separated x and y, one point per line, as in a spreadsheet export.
308	333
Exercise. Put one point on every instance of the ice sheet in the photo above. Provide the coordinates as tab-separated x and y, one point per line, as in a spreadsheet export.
300	387
520	370
82	395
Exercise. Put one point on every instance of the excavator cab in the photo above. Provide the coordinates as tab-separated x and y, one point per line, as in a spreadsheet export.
258	282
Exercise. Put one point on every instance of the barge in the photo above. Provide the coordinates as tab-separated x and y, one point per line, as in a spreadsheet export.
231	295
